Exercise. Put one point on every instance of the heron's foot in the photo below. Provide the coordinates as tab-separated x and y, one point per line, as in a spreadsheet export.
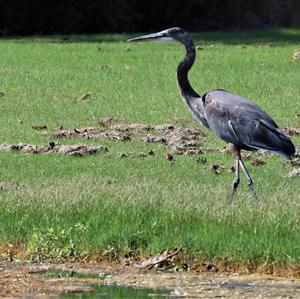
235	184
251	187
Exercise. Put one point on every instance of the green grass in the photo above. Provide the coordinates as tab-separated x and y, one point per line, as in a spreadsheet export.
145	204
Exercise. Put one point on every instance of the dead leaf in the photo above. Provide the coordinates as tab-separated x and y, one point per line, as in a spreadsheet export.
257	161
231	169
106	120
223	150
104	66
169	157
151	153
84	96
39	127
135	155
165	258
217	168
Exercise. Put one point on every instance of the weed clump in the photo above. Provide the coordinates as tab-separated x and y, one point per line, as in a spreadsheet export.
56	243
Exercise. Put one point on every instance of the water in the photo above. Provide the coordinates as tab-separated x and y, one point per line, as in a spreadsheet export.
105	290
114	291
165	285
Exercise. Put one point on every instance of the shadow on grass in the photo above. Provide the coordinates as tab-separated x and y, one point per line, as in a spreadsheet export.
275	36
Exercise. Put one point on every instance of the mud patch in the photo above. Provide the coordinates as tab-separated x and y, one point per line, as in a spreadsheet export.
27	280
52	147
92	133
180	140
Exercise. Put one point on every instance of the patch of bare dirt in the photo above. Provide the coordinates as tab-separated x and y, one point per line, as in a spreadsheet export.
186	141
73	150
92	133
180	140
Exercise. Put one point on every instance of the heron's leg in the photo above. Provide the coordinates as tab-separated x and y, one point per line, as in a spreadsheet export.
237	154
236	180
248	178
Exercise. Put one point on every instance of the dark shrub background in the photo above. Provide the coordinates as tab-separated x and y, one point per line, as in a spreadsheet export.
24	17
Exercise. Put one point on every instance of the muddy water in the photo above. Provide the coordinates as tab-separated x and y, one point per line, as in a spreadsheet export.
26	280
118	292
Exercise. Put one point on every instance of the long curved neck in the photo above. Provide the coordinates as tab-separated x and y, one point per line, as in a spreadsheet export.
183	68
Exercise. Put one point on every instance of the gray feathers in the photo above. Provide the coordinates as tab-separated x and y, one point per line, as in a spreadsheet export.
238	121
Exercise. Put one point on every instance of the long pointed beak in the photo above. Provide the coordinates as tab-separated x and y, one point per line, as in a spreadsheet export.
158	35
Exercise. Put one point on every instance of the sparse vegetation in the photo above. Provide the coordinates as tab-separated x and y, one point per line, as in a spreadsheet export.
144	205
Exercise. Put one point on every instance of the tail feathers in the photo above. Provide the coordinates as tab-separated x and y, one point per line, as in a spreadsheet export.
274	140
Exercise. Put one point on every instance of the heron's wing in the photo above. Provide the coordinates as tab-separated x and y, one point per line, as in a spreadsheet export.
241	122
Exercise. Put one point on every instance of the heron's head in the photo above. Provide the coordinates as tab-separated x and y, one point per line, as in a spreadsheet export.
175	33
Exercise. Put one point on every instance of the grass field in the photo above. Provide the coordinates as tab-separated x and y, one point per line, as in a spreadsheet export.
67	206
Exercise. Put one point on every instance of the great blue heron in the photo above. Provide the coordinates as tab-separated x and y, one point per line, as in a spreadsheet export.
234	119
